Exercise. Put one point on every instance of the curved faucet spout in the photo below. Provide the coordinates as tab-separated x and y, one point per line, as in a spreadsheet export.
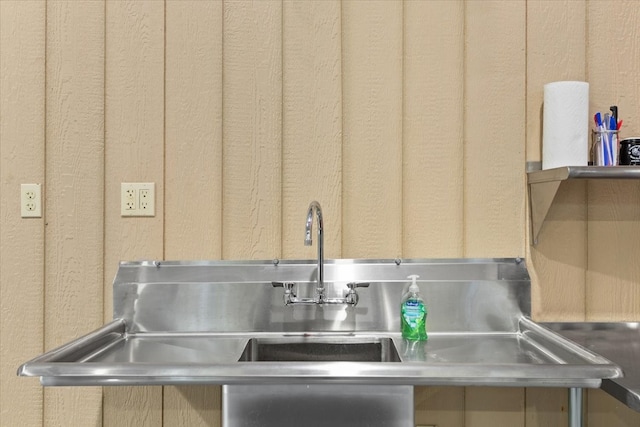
315	206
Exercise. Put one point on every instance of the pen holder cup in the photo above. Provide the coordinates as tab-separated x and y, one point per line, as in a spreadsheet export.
604	147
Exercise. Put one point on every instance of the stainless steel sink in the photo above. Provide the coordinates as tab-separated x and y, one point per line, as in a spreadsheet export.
222	322
314	349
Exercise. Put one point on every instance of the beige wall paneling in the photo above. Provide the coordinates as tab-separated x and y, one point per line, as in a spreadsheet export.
494	163
613	57
312	124
134	131
613	280
193	163
22	160
432	122
558	263
439	406
252	130
556	49
494	406
546	406
432	151
605	410
74	194
193	167
557	266
614	207
494	153
372	129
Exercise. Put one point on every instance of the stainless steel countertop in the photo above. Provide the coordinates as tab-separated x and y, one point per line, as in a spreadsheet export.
201	322
531	356
617	341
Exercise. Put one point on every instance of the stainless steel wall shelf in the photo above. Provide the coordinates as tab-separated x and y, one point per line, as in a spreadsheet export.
544	184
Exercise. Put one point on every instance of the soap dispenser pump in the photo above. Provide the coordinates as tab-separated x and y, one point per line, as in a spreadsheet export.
413	313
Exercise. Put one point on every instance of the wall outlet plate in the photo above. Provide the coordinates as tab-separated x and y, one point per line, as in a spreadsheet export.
137	199
31	200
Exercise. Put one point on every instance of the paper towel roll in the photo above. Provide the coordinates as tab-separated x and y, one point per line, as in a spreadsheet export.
565	126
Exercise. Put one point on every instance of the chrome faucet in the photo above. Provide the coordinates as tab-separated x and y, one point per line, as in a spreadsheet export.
308	240
290	293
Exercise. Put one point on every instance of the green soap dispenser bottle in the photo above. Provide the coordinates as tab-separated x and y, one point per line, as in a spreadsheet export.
413	313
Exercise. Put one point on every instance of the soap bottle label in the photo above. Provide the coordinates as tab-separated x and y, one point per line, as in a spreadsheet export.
413	319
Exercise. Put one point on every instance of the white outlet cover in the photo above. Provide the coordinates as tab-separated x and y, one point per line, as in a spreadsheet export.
31	200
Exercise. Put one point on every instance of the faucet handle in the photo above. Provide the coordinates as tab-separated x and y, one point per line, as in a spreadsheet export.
286	285
354	285
289	291
352	297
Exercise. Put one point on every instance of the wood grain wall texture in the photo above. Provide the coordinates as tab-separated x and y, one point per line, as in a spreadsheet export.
409	121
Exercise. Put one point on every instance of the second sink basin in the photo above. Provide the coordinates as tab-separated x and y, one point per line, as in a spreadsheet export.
325	349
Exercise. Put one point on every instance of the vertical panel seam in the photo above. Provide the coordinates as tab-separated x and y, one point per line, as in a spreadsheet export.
164	129
104	149
341	18
463	233
221	142
464	406
524	239
586	44
464	127
44	175
585	299
104	175
342	115
164	161
402	133
524	392
282	127
526	130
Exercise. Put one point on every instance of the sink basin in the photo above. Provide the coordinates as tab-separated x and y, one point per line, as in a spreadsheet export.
301	349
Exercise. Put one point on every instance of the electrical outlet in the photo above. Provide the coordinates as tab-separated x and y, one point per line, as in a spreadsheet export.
145	199
129	199
30	200
137	199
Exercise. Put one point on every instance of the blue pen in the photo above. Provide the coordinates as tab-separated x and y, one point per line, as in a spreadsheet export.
603	142
613	140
